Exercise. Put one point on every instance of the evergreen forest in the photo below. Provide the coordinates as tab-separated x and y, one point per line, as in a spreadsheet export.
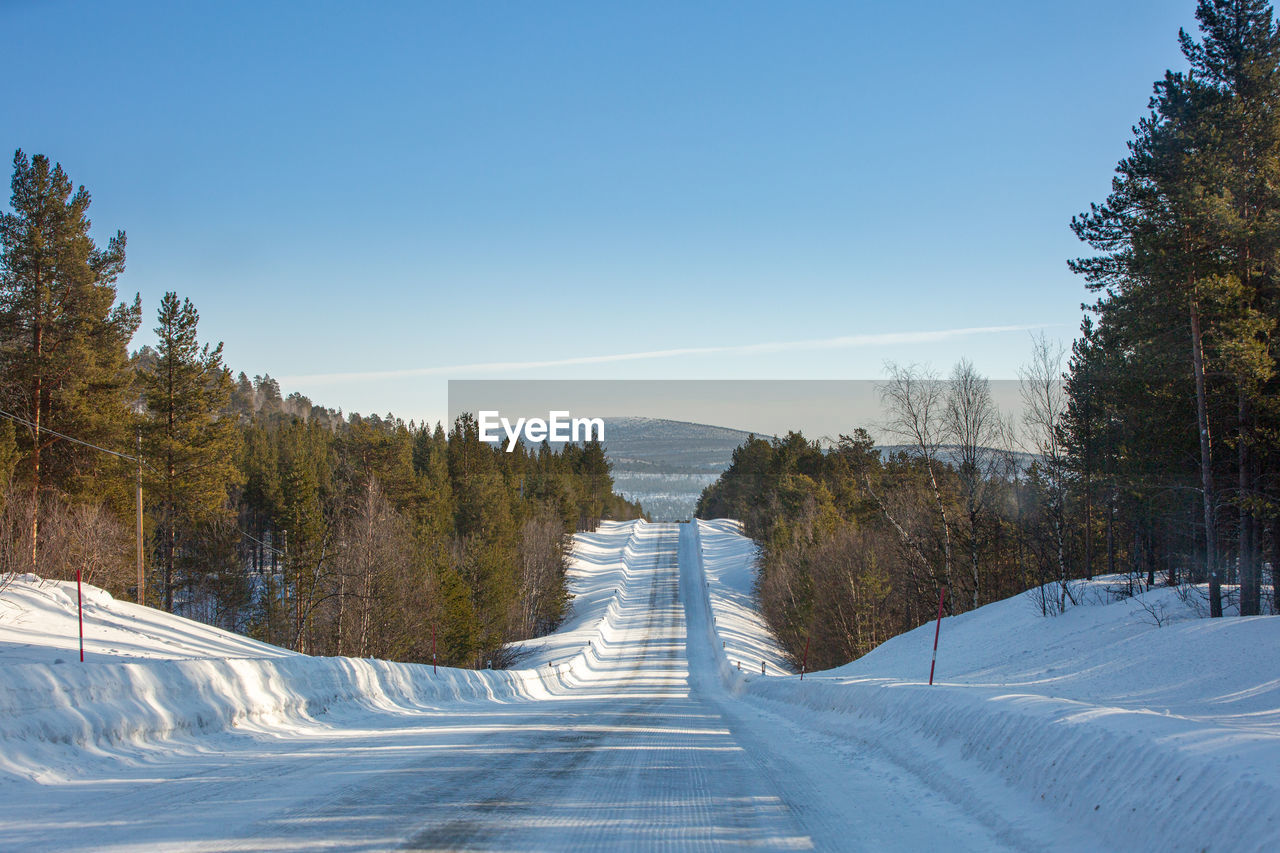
359	535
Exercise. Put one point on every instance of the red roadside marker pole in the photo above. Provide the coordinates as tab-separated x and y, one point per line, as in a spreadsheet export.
433	648
937	628
80	608
804	663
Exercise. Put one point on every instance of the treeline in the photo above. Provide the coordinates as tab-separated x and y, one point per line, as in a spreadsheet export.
1173	425
858	542
1152	449
353	535
364	536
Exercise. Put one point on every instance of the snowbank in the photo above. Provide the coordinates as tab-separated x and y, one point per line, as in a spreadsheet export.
601	565
1155	737
185	678
38	625
728	561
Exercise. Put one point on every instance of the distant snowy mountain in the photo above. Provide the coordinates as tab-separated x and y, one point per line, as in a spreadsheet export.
949	454
666	464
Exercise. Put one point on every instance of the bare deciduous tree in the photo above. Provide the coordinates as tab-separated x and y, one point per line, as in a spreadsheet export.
914	401
541	601
978	437
83	536
1044	404
372	549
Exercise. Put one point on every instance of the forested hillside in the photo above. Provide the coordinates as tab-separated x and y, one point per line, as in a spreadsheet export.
856	547
1156	441
333	535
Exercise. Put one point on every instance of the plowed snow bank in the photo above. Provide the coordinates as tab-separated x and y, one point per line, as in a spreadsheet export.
1161	738
150	675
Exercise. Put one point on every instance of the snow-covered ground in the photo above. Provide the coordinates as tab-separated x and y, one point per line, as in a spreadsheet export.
1158	734
633	727
38	625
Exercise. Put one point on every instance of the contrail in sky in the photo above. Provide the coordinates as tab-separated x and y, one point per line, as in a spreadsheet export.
846	342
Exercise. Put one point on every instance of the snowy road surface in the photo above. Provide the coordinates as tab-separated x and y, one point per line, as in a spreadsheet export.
645	750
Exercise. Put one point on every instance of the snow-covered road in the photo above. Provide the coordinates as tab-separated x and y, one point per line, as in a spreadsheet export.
644	747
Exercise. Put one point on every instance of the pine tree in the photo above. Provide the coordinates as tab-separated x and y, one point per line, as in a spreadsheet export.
267	389
243	398
304	528
260	499
1189	231
1239	60
191	440
595	473
63	359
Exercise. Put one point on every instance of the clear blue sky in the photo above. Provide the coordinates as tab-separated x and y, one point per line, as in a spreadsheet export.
358	188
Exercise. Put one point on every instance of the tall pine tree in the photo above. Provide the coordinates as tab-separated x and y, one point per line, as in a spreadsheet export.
1188	247
191	441
63	358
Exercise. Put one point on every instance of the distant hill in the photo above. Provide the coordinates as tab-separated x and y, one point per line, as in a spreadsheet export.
950	454
666	464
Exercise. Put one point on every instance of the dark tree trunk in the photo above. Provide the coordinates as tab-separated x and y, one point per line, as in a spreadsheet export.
1111	533
1275	565
1250	571
1149	552
37	392
1206	465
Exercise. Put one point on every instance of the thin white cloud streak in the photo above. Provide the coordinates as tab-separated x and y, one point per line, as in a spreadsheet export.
846	342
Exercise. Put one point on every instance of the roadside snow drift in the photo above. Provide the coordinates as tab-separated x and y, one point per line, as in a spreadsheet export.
727	559
1158	737
149	675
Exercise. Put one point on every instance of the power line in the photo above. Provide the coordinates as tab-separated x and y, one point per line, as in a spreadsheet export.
270	548
34	509
137	459
26	422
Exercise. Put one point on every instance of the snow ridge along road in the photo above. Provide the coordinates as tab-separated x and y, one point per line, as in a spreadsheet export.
622	733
